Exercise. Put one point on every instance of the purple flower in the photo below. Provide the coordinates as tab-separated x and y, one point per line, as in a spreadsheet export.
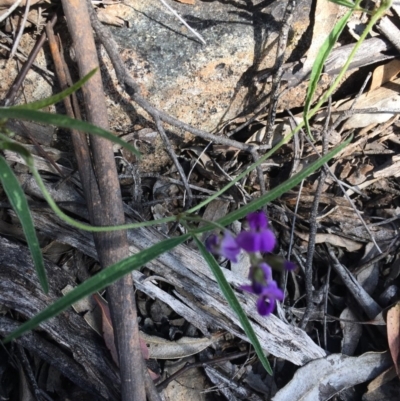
266	301
279	264
263	285
225	246
259	238
259	275
289	266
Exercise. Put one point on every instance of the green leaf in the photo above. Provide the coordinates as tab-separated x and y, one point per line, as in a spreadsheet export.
96	283
234	303
64	122
318	66
350	4
10	144
40	104
345	3
18	201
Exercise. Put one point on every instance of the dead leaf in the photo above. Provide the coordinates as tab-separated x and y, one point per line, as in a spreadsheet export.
191	2
215	210
108	19
187	386
393	333
161	348
333	239
360	174
384	73
382	379
204	164
83	305
351	332
322	378
346	168
108	330
387	96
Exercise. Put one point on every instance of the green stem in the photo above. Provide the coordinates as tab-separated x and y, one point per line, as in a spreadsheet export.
84	226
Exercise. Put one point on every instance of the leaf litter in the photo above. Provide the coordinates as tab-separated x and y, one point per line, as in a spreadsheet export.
356	288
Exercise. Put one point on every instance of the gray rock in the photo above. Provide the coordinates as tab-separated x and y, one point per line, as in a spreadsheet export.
203	85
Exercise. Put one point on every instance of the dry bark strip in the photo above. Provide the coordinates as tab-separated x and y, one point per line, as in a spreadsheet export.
80	355
105	206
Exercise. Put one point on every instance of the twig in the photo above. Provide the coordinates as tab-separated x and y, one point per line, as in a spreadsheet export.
189	366
326	293
296	160
260	174
297	155
368	110
325	147
173	181
326	167
21	29
370	307
340	183
111	247
10	10
390	31
27	368
280	54
180	197
151	389
194	165
9	98
311	243
172	155
349	112
183	22
379	257
293	227
360	92
23	58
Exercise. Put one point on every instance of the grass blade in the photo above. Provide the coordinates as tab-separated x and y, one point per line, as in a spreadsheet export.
18	201
40	104
348	4
375	16
98	282
234	303
64	122
319	62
